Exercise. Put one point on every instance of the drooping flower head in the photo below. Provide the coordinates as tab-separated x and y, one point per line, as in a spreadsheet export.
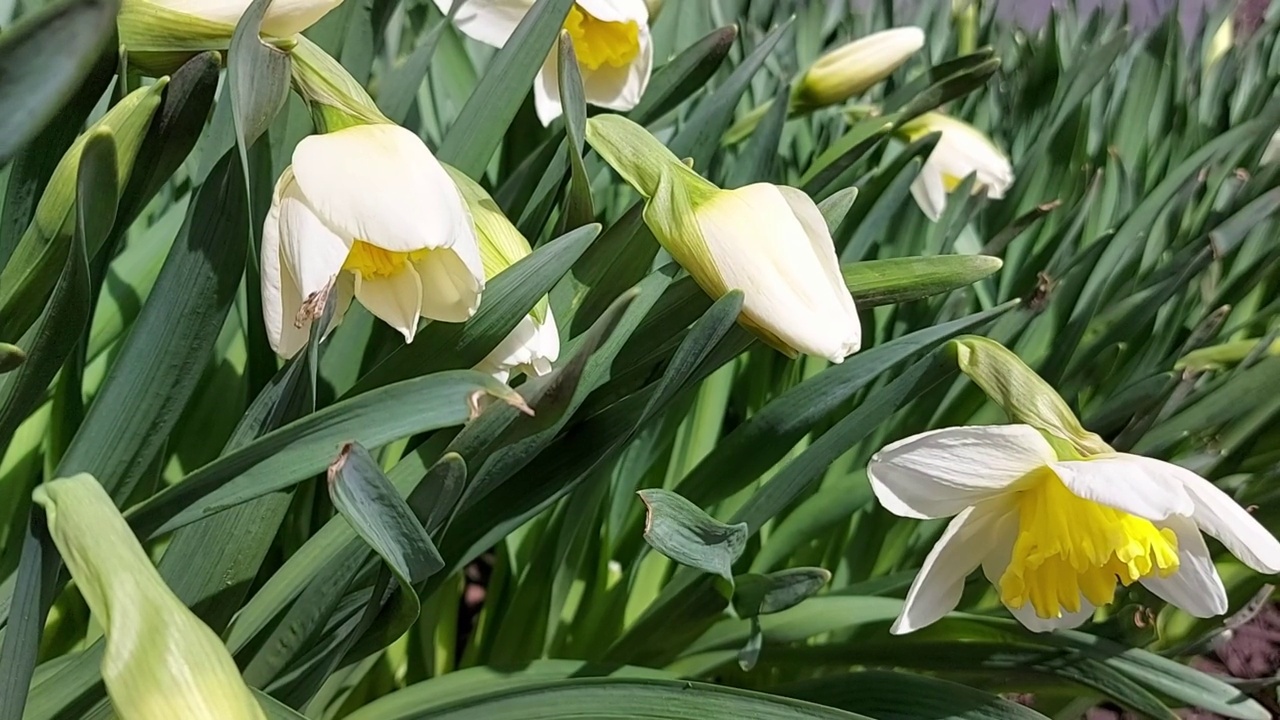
370	208
962	150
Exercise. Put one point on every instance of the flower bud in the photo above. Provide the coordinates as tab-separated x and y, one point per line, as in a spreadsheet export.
161	662
159	27
856	67
768	241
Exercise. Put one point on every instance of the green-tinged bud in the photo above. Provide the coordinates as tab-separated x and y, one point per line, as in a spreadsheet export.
1221	41
11	357
335	98
769	241
855	68
160	33
161	662
1218	357
501	244
39	255
1024	395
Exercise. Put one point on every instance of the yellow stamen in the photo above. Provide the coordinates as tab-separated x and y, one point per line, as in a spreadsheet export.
1069	547
597	42
369	261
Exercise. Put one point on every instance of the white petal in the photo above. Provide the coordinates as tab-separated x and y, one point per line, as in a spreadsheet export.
1195	586
929	192
815	226
1223	518
620	88
940	472
281	298
394	299
546	91
489	21
530	347
1027	616
940	582
450	290
286	18
379	184
309	249
758	245
1132	483
617	10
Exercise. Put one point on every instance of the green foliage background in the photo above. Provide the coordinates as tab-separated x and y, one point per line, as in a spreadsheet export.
1141	228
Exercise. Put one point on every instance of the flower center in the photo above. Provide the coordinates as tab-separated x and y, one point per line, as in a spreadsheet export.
598	43
369	261
1068	546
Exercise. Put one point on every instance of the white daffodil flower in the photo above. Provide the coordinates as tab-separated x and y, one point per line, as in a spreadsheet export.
769	241
370	208
610	38
1055	536
772	243
962	150
530	349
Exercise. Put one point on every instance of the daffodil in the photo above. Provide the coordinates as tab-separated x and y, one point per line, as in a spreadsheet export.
610	38
1057	534
193	25
962	150
369	208
854	68
769	241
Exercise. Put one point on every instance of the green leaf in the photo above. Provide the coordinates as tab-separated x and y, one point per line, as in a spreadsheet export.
881	693
680	530
151	381
756	594
300	449
477	131
627	698
366	498
579	208
898	280
257	80
688	72
46	57
699	138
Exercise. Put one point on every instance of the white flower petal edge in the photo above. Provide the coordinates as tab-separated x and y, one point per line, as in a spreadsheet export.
488	21
396	300
405	199
1223	518
759	245
1196	586
530	348
928	191
284	18
1131	483
938	586
939	473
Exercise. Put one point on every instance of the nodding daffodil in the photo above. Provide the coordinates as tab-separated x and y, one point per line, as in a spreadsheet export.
962	150
370	208
194	25
1055	535
610	38
854	68
769	241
